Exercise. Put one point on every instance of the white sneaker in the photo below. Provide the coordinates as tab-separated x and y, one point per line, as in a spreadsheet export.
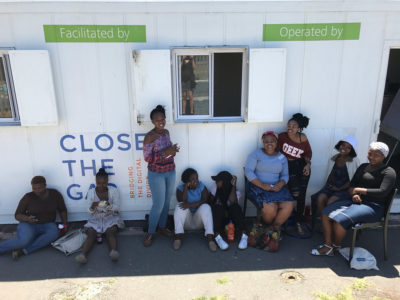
221	243
243	242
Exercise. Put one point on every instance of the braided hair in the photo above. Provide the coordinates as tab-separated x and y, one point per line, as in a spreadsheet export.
157	110
301	120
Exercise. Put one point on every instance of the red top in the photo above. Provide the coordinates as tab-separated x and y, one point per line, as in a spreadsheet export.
293	150
156	161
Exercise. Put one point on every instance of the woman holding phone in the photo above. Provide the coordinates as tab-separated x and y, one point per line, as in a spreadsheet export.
159	152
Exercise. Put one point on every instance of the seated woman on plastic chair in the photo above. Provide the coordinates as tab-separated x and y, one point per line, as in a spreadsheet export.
104	217
267	171
369	190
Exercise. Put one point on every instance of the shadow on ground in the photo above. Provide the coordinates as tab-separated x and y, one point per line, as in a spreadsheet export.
194	257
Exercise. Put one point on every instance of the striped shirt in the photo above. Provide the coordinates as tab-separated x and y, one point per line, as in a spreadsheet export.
156	161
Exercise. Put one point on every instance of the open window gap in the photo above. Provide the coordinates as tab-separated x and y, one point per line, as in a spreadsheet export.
209	85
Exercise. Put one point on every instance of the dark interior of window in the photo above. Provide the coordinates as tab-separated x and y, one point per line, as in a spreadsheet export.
390	122
227	84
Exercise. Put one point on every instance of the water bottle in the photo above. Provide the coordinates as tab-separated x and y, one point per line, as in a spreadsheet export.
230	232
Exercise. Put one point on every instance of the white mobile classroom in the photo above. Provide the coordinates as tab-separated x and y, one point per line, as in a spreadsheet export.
78	80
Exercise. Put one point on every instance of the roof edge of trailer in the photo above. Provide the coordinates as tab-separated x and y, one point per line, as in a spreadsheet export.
207	1
197	6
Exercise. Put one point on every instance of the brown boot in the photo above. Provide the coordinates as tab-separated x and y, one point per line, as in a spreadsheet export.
211	243
148	240
165	231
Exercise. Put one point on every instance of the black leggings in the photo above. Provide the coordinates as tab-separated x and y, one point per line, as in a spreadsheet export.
297	185
222	216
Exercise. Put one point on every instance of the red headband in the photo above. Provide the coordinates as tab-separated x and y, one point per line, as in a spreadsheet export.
271	133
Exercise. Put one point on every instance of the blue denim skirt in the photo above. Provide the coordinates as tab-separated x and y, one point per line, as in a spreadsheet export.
347	214
262	196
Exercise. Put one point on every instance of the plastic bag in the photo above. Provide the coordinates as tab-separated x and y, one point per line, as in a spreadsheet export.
362	259
71	242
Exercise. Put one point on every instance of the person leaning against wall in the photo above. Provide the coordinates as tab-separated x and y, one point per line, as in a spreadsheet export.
36	213
295	146
159	153
224	198
192	210
104	217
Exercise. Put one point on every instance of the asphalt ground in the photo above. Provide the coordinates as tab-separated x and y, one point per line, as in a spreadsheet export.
194	272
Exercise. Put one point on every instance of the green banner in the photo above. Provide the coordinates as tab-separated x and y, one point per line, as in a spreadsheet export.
95	33
311	32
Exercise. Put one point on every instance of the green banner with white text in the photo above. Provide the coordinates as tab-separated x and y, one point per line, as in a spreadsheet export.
95	33
311	32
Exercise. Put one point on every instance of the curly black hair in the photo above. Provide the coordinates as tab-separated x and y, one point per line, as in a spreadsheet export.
301	120
186	174
158	109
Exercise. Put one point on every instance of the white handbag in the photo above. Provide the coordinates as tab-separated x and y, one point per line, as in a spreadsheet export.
71	242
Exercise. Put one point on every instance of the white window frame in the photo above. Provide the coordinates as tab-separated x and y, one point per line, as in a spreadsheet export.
180	118
15	119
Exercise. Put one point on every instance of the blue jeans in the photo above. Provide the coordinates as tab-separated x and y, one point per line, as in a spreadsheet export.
162	188
31	237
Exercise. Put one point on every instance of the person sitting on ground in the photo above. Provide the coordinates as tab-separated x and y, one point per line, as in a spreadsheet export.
36	213
369	192
192	211
267	171
341	168
104	217
224	203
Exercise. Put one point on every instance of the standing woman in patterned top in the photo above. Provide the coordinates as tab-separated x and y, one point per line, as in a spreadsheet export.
295	146
159	152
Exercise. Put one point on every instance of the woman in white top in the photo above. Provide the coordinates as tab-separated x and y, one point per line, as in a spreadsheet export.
104	217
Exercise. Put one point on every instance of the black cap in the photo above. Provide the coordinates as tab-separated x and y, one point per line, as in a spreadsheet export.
223	175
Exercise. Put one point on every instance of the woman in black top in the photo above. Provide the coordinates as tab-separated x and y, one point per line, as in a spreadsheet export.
224	200
188	82
369	193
